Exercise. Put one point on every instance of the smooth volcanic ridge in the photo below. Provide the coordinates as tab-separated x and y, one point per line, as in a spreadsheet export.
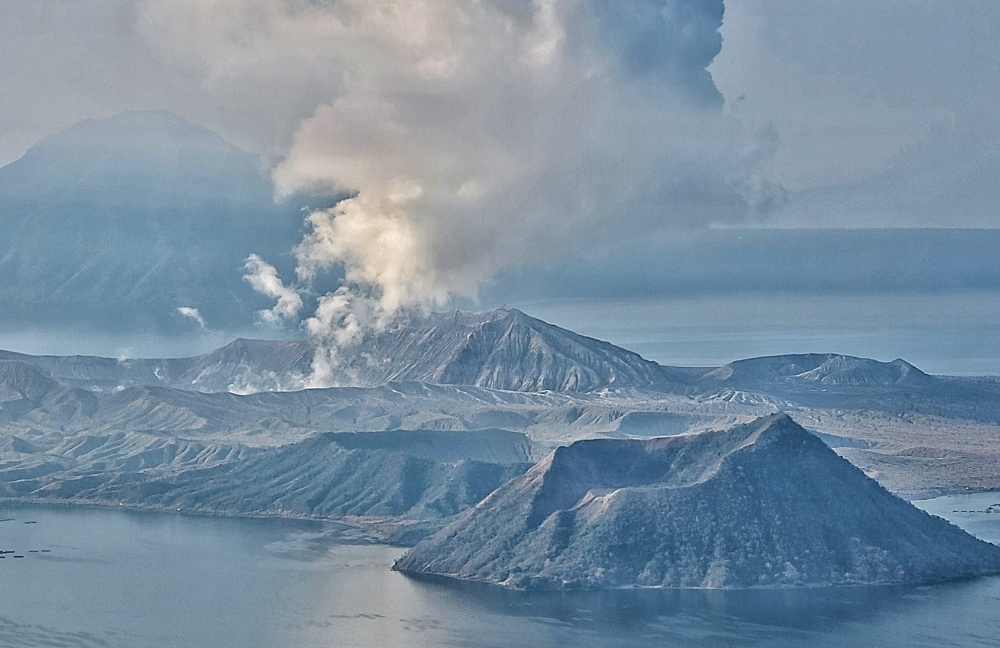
765	504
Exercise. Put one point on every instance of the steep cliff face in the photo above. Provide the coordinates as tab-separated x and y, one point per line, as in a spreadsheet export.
758	505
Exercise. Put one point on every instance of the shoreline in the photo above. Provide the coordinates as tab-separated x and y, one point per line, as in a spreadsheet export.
380	530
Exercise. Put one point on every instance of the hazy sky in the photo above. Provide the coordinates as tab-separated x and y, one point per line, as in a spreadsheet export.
515	150
882	113
495	137
863	113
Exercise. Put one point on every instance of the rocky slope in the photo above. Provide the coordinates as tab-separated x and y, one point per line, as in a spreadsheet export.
412	485
919	435
500	349
507	350
759	505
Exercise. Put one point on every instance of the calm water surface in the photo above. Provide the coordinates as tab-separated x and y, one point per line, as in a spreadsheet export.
955	333
944	333
93	577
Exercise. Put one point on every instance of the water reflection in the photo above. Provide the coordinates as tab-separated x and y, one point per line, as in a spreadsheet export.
689	617
129	580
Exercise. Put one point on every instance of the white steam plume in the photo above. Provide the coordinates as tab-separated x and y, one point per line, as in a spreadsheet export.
263	277
192	313
474	137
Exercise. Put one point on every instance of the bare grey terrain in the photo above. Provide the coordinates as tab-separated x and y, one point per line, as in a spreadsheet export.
760	504
442	414
918	434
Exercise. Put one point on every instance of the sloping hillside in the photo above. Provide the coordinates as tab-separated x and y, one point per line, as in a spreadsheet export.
763	504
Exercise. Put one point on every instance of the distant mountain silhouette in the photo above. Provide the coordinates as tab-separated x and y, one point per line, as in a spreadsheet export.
820	369
113	224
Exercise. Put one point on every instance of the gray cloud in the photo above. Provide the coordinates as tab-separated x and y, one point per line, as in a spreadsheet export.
741	261
488	142
868	100
69	60
497	137
473	137
672	40
885	112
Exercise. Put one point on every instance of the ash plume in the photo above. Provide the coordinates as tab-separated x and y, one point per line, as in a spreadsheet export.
477	137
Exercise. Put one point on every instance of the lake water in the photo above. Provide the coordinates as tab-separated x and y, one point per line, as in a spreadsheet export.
108	578
955	333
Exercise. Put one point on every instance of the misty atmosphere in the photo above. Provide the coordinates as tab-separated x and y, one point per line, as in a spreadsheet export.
496	323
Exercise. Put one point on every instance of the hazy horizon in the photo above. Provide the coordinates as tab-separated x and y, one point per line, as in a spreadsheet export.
169	182
948	334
